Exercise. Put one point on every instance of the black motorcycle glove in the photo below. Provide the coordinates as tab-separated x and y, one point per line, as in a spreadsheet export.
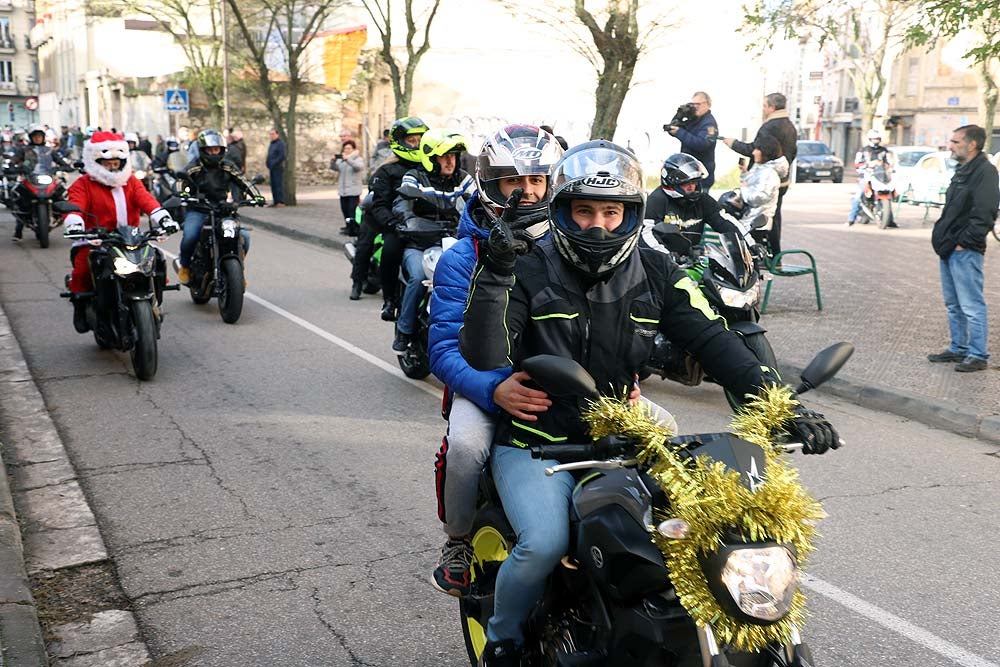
504	245
815	432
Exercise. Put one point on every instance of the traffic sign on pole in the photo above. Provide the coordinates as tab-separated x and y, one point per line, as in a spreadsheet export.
176	100
31	103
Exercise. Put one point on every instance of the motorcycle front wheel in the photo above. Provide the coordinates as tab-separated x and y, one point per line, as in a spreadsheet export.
761	348
144	349
884	210
42	221
231	290
492	541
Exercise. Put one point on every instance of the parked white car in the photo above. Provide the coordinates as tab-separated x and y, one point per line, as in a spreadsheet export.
905	159
929	179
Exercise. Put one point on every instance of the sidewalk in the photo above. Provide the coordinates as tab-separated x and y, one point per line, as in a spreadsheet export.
880	289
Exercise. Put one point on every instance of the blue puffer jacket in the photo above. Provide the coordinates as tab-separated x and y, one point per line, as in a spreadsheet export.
452	278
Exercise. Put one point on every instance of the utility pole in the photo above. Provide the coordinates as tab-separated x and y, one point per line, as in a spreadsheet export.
225	68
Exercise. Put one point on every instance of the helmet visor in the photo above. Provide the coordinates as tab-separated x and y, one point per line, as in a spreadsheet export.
598	173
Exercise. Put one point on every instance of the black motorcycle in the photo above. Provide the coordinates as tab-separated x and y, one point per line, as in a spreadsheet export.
34	197
730	276
123	310
217	263
611	601
8	181
415	361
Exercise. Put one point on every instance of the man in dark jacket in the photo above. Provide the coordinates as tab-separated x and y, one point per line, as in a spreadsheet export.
236	152
778	125
959	239
276	165
698	139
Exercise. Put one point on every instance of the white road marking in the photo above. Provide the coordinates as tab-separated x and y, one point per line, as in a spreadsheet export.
918	635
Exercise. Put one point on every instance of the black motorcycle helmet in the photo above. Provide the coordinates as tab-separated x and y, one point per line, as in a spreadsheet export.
211	139
602	171
679	169
401	129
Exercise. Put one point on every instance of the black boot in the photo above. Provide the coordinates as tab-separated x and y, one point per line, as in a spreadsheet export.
80	316
388	311
356	290
501	654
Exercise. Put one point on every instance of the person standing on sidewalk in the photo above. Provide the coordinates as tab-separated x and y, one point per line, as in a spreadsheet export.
778	125
959	239
698	139
236	152
276	166
351	167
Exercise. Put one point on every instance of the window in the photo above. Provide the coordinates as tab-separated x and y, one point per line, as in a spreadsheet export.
6	40
6	73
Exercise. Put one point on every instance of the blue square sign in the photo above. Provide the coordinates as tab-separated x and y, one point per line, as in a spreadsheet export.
176	100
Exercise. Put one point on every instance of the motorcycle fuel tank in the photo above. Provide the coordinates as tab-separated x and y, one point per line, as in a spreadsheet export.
611	512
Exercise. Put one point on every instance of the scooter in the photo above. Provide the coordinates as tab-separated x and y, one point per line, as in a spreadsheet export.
878	195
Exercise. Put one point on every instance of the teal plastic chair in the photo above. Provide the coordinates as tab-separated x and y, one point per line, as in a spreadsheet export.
778	268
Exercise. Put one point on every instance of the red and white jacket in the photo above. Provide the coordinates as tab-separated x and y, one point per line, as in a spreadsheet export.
111	206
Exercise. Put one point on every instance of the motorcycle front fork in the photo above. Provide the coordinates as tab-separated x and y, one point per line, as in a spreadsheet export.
796	653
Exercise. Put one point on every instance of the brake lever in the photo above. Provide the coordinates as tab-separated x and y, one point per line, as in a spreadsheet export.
584	465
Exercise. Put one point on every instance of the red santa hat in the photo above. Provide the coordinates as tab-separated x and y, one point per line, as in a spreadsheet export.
106	146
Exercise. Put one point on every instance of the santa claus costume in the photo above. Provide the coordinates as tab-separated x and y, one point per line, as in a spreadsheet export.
108	198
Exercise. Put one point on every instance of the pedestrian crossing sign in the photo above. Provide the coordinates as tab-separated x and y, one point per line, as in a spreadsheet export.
176	100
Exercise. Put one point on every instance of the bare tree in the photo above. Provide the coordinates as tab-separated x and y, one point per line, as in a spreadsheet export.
981	18
196	26
866	36
402	74
607	34
278	32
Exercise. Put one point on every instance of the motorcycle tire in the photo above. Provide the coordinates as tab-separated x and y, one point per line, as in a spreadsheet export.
144	350
372	285
761	348
996	231
492	541
42	228
414	363
884	211
231	290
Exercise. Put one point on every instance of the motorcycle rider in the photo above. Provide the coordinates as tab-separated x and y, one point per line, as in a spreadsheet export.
871	156
683	200
581	294
36	154
210	175
404	140
514	157
438	191
139	159
109	195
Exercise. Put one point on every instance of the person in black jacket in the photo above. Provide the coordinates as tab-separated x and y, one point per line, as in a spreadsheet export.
211	176
404	140
275	164
683	200
589	293
698	139
778	125
959	239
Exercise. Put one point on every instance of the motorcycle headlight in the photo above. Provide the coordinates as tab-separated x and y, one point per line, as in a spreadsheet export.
762	581
229	228
740	299
140	174
43	180
124	267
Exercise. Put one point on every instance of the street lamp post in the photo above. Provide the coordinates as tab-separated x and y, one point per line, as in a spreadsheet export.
225	69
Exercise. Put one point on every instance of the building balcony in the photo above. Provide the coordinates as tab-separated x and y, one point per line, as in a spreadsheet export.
7	46
6	5
8	88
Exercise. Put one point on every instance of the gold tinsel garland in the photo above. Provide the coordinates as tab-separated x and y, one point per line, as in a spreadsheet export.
711	499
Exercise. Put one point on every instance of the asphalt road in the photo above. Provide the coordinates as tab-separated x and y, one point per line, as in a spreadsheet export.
268	499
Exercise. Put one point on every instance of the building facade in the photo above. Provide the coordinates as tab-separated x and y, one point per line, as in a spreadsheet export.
18	64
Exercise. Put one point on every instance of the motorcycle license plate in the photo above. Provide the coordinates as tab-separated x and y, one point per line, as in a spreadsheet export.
822	173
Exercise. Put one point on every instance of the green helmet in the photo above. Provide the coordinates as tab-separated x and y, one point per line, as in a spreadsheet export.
436	143
401	129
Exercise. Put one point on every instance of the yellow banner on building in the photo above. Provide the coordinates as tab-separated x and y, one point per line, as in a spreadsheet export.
340	52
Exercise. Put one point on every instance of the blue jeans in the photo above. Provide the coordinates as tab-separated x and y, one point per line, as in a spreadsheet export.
413	265
193	222
962	286
856	202
538	510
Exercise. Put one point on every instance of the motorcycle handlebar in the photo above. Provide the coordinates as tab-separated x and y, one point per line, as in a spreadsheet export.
605	448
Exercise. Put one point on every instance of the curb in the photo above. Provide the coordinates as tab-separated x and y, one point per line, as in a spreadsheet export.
56	530
936	414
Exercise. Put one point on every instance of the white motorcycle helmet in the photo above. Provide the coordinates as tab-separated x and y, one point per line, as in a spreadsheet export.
875	136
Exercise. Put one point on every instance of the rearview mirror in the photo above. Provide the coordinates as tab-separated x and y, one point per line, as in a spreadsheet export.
172	202
258	179
66	207
560	376
824	366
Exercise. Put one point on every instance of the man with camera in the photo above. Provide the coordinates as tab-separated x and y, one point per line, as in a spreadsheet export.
695	127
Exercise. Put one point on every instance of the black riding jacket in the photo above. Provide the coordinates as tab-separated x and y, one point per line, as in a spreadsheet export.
689	216
970	208
384	185
213	183
547	307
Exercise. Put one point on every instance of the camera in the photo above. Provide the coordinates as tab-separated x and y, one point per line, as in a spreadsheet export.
684	117
338	156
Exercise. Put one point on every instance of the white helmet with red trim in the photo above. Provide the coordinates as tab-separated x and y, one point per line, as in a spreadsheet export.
106	146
